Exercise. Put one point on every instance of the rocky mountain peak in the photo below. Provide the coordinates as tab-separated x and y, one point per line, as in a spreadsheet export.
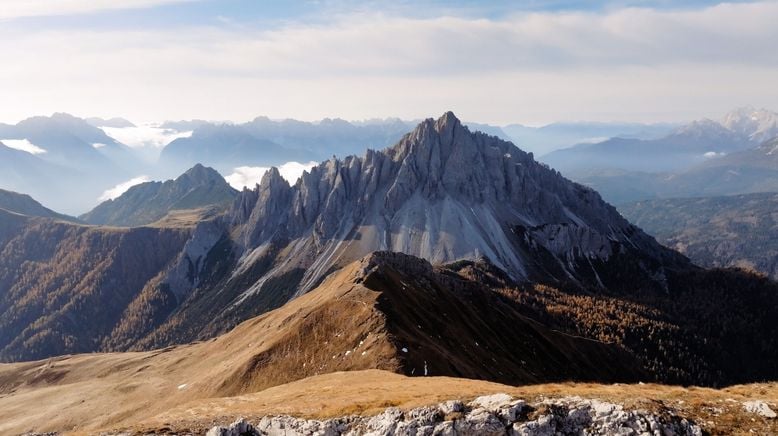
443	157
201	175
147	202
756	124
272	178
442	193
430	136
447	124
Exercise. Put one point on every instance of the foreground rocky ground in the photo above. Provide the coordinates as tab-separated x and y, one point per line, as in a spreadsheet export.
497	414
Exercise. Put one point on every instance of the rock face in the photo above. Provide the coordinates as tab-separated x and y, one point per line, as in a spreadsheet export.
148	202
442	193
186	274
494	415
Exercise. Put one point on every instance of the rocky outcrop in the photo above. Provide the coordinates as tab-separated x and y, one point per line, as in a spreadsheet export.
238	428
493	415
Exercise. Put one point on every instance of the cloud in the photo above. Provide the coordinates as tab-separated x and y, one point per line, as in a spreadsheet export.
37	8
144	136
629	63
121	188
248	177
23	145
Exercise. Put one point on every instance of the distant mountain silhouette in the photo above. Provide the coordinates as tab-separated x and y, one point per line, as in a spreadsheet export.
148	202
26	205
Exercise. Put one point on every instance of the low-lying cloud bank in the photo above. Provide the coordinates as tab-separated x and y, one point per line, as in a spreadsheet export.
121	188
248	177
23	145
145	136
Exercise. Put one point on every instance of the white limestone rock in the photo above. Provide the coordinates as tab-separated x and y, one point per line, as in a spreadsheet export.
502	405
760	408
494	415
238	428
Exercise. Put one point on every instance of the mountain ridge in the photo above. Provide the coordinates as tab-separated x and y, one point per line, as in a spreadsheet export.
26	205
145	203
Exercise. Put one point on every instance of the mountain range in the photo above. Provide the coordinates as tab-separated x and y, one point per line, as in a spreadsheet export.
749	171
69	162
540	248
560	135
684	147
699	159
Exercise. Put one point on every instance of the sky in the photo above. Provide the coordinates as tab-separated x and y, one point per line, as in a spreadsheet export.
497	62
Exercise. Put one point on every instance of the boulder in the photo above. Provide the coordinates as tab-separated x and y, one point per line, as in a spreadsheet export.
760	408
